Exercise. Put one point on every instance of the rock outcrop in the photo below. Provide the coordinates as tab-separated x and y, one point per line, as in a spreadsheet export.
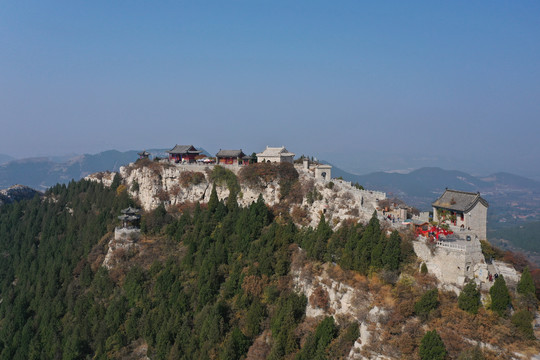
329	296
161	183
17	193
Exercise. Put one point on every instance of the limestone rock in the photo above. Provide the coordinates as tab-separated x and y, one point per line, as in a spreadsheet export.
17	193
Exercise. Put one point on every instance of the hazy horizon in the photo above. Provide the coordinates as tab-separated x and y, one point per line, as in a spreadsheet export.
355	165
367	86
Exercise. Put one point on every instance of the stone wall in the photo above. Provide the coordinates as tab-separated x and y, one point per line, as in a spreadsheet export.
477	220
276	159
453	264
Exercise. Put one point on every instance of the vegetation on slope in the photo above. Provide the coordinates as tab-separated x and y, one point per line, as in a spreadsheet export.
220	287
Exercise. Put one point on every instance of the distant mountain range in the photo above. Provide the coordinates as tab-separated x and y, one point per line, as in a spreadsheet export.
41	173
513	199
5	158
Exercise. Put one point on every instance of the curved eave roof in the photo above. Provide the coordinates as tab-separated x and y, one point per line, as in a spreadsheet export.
461	201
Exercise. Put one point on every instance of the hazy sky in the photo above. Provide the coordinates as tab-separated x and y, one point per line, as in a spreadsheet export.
454	82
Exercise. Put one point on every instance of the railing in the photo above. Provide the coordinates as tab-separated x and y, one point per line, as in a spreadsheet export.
458	247
378	194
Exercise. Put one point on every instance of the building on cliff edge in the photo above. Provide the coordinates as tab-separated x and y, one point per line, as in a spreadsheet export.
463	211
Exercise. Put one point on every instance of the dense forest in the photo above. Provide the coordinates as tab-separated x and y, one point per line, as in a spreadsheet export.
221	281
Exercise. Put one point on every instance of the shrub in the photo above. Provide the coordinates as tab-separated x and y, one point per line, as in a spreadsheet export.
135	186
354	212
490	251
319	298
472	354
296	193
313	196
162	195
188	178
423	269
522	320
300	215
221	176
260	175
120	189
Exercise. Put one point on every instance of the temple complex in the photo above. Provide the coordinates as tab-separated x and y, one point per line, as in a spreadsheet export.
183	153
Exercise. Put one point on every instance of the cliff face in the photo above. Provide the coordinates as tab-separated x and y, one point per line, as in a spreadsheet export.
329	295
162	183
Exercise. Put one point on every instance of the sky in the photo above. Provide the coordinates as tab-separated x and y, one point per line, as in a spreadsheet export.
382	85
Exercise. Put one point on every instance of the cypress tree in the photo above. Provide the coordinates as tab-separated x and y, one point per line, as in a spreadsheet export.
232	204
213	201
469	299
526	283
378	251
117	180
424	269
428	302
500	297
392	253
432	347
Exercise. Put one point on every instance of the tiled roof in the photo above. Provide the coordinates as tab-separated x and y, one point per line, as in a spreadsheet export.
183	149
275	151
230	153
459	200
130	210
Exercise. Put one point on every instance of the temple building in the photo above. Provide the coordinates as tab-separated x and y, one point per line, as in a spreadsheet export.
130	218
462	211
275	154
230	157
183	153
143	154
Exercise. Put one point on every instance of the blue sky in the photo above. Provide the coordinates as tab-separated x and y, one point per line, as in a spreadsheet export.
366	85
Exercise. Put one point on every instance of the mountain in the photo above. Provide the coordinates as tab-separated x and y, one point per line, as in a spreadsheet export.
43	172
17	193
5	158
513	199
225	281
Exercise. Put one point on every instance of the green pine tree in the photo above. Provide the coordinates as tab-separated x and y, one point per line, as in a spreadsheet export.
117	180
428	302
526	283
469	299
432	347
213	201
500	297
392	252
